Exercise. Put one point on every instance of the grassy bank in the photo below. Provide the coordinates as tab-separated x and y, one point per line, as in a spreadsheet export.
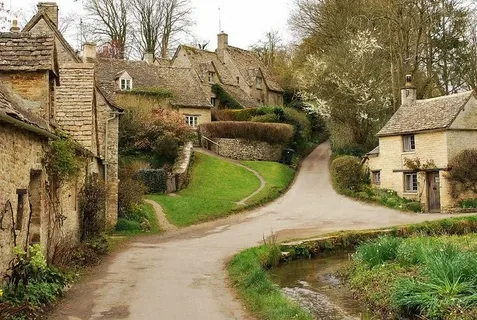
262	297
277	176
142	219
215	187
419	277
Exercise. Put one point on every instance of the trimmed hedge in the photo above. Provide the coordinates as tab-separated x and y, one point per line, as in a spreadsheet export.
255	131
153	179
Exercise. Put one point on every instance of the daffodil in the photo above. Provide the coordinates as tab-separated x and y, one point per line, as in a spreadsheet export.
1	293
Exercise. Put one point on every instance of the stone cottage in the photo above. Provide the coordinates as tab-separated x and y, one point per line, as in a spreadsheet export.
140	83
45	89
416	144
239	72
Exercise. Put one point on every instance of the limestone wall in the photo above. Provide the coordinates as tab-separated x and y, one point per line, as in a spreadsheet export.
248	150
203	113
74	102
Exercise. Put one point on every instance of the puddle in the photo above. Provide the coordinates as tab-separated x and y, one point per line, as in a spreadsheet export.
313	284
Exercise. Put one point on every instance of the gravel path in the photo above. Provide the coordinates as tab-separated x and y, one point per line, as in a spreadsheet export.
181	275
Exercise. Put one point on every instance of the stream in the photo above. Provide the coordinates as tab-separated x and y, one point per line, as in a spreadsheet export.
314	285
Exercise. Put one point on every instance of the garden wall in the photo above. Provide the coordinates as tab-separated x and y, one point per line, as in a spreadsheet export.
248	150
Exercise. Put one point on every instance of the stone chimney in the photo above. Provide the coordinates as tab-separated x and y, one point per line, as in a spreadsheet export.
408	93
50	9
149	57
89	51
15	28
222	43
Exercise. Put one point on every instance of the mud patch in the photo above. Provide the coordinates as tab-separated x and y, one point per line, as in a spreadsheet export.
119	312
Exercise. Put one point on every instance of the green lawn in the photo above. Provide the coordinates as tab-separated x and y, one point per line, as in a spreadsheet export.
134	224
215	187
277	175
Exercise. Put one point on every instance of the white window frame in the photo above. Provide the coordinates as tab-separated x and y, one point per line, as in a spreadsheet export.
125	84
192	120
376	176
410	182
409	143
211	76
213	101
258	82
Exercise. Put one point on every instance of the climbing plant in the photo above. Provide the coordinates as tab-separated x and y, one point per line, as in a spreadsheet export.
92	200
150	92
225	98
61	160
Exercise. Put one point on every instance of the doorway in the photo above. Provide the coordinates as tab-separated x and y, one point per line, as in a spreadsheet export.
433	191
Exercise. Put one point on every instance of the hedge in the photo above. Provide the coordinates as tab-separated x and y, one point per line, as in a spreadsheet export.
154	179
254	131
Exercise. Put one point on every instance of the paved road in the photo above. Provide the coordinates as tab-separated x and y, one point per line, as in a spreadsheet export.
181	275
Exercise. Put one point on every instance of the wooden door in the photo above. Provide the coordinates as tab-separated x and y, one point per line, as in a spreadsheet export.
433	192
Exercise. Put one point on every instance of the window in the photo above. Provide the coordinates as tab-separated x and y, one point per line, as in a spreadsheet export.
238	80
409	143
376	176
213	101
211	77
410	182
126	84
258	83
192	121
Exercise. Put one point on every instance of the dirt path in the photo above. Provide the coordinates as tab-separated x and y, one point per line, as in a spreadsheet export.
181	275
164	224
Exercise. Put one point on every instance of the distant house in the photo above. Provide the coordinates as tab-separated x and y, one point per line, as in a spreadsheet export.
240	73
46	88
431	131
121	79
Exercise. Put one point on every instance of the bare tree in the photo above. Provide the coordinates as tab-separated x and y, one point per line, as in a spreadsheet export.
110	21
148	22
177	19
268	48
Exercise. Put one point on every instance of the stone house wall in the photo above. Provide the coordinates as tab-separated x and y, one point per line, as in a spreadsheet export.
204	114
248	150
439	147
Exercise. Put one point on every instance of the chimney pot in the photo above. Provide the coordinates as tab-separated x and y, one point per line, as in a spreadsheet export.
89	51
222	43
409	92
15	27
50	9
149	57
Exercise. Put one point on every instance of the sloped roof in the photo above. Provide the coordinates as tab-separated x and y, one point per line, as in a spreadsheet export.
26	51
429	114
243	98
186	90
163	62
203	60
249	65
12	106
42	15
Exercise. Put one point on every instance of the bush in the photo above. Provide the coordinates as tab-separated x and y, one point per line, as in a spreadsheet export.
463	176
468	203
266	118
155	180
62	163
130	190
92	199
267	132
378	251
347	174
89	253
349	150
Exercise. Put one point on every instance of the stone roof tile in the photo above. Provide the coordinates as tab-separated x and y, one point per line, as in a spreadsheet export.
429	114
26	51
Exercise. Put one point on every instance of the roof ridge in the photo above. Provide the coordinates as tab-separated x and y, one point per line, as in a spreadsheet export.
443	97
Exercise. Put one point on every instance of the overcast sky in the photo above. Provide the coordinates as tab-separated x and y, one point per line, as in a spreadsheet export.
246	21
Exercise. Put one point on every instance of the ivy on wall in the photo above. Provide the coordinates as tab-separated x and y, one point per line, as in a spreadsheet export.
61	160
150	92
225	98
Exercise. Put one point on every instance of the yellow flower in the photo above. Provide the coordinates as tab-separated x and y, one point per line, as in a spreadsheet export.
1	293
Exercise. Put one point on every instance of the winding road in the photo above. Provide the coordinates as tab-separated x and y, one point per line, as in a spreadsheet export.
181	274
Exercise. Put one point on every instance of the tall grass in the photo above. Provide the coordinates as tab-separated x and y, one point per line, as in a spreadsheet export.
379	251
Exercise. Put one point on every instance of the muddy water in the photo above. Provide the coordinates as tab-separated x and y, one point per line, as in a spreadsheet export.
314	285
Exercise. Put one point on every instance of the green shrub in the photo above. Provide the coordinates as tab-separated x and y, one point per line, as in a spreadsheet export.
61	160
347	174
254	131
155	180
463	176
131	191
378	251
413	206
468	203
349	150
150	92
266	118
128	225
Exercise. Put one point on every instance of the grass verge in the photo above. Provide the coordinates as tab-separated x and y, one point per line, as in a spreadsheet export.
263	298
215	187
278	177
142	219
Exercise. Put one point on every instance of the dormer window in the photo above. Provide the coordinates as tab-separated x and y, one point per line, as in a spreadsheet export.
126	84
258	82
238	80
211	77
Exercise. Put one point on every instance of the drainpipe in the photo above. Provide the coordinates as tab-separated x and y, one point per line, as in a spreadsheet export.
113	116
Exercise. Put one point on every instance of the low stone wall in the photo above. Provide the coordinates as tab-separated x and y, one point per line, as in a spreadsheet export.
248	150
181	168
